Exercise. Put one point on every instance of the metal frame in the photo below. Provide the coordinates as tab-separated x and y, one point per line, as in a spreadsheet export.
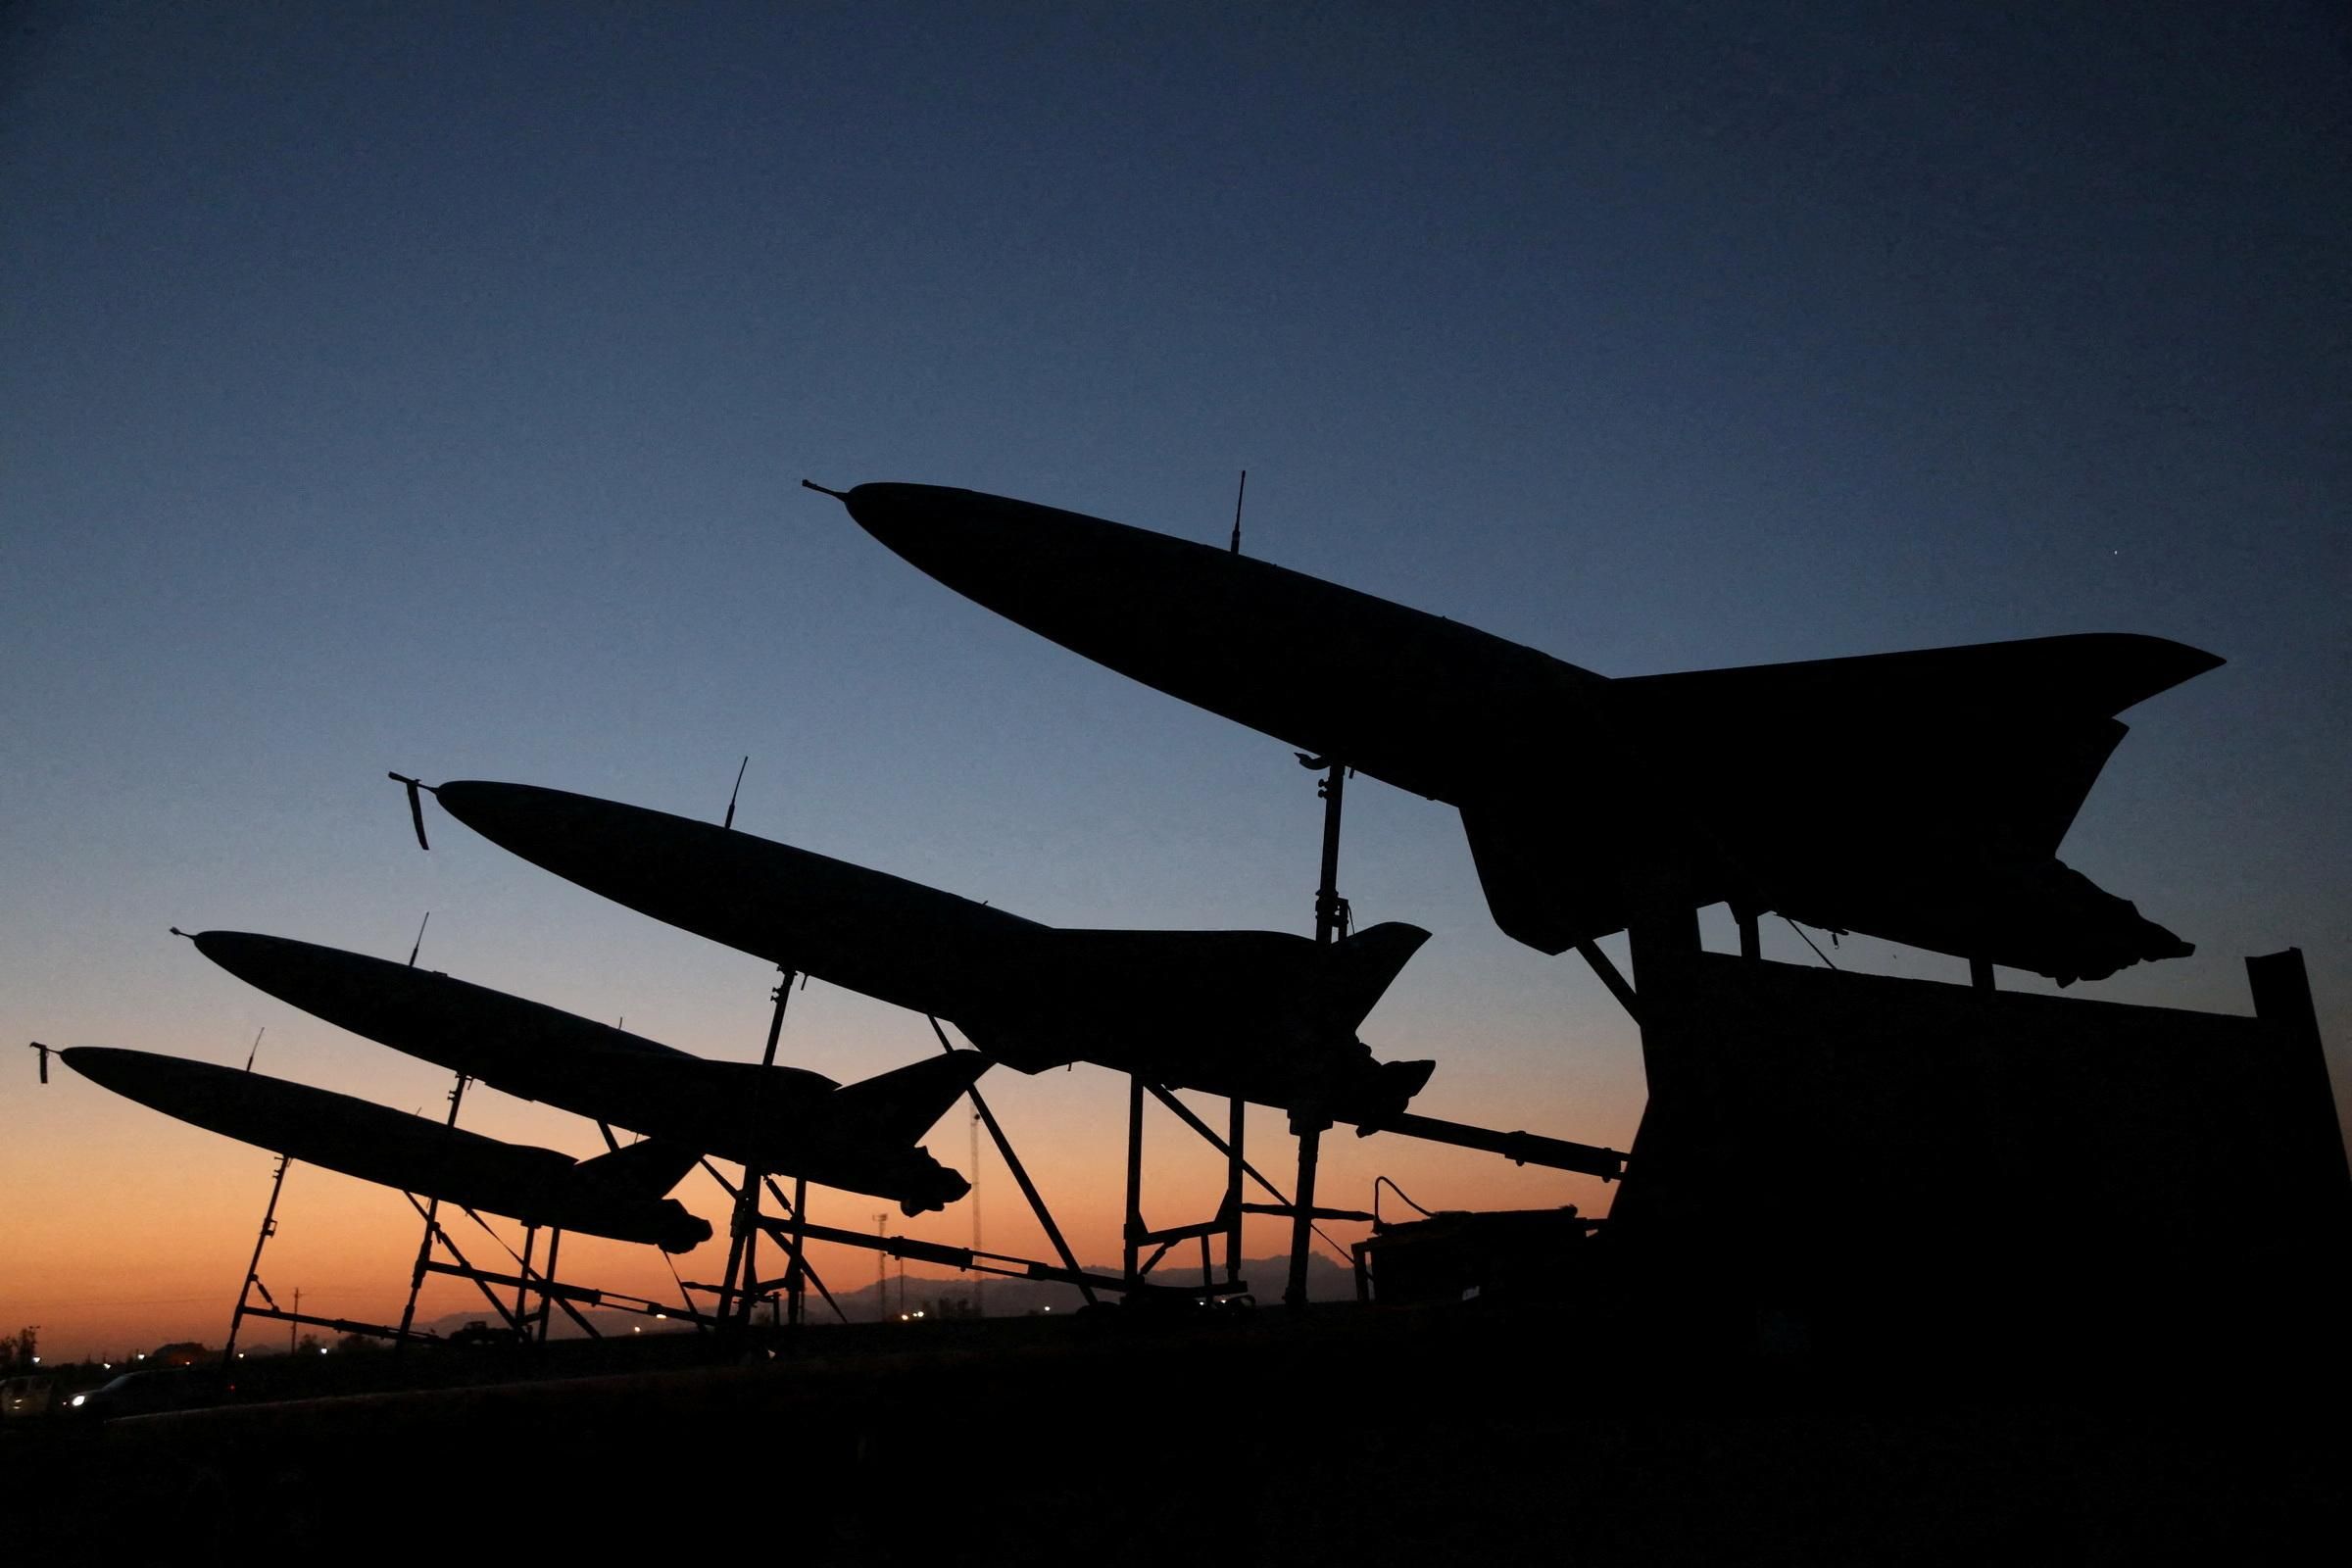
740	1288
1136	1233
252	1282
425	1242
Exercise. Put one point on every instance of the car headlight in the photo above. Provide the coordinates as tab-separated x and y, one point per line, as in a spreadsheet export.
77	1399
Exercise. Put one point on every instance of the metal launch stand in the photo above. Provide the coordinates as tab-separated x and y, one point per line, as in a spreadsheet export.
1142	1247
252	1282
741	1289
524	1323
1309	1124
520	1319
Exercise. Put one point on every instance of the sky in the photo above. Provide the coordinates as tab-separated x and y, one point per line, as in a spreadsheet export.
427	387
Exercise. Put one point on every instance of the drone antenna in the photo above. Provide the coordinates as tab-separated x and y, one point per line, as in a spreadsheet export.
729	823
1243	490
415	945
257	1047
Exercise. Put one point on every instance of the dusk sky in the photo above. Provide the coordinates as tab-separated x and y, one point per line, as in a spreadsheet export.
427	388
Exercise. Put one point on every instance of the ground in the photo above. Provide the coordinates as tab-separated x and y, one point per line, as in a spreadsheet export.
1359	1437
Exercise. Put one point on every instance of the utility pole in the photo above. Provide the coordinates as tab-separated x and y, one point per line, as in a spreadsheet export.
881	1272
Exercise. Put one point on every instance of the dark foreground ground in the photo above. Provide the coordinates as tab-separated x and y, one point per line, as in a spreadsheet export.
1403	1437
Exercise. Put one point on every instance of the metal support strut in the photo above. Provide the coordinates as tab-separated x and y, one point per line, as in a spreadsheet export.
1020	1176
253	1268
1331	922
432	1212
742	1278
1131	1234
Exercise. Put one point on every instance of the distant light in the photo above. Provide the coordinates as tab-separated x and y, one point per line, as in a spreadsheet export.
902	1317
661	1316
634	1329
323	1349
109	1367
142	1356
240	1355
77	1399
1048	1309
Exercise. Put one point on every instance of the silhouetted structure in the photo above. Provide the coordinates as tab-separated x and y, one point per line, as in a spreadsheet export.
1505	1257
860	1137
1255	1014
1916	796
1901	1173
617	1194
2178	1165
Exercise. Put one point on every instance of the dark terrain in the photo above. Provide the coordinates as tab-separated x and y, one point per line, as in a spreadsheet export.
1375	1436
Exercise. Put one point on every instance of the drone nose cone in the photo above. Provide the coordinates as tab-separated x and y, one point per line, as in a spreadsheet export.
139	1075
240	953
624	851
1079	580
280	965
952	534
892	511
468	798
101	1065
511	815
